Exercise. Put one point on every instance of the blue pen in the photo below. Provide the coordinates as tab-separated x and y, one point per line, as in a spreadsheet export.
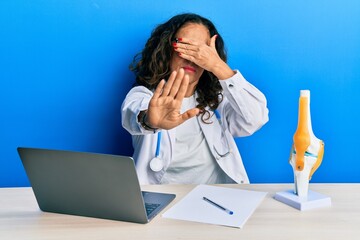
218	206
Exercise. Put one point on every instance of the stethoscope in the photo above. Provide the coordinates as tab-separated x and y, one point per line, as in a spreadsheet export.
157	164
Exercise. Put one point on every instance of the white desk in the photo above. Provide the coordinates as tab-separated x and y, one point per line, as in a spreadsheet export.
20	218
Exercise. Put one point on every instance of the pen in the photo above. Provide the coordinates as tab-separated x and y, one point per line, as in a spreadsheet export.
218	206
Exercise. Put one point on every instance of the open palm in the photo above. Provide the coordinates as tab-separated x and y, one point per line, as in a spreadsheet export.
164	107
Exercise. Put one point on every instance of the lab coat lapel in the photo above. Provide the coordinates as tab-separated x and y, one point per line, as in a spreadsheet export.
214	136
207	129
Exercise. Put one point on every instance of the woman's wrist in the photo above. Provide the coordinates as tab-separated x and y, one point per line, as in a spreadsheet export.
144	123
223	71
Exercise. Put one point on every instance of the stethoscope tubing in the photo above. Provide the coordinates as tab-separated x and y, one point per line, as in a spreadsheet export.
157	152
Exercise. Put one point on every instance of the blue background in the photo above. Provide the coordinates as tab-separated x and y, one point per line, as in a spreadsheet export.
64	74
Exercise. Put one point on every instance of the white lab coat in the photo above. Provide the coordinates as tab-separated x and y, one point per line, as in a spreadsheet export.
243	111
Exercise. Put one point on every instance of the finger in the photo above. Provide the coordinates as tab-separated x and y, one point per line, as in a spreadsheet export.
187	115
177	83
169	83
213	40
185	40
183	88
187	52
185	48
159	89
186	44
190	113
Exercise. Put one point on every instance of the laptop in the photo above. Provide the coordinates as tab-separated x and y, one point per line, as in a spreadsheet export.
90	184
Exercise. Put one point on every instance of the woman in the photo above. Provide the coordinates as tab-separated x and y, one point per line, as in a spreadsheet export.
188	105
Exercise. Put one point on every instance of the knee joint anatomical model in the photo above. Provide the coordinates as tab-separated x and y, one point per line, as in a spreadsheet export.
307	150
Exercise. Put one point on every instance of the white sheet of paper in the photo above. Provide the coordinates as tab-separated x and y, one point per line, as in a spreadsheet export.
193	208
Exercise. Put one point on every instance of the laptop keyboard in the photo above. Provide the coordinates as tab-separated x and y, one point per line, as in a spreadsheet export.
150	207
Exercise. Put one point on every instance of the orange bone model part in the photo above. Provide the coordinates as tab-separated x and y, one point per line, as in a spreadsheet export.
302	135
318	160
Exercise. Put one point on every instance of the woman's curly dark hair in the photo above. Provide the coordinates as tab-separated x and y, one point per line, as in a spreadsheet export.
153	63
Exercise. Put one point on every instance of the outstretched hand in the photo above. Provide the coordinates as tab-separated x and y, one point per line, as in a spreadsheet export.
164	107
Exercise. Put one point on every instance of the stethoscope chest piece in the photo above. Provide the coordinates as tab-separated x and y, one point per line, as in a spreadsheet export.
156	164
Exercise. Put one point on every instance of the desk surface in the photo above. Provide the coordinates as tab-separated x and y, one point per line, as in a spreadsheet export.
20	218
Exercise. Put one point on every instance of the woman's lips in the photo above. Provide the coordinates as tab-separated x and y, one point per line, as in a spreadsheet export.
189	69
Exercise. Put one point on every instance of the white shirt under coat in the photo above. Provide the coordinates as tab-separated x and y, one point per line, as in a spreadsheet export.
192	161
243	111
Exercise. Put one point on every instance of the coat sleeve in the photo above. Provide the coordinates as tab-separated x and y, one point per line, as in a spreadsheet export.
244	108
135	101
